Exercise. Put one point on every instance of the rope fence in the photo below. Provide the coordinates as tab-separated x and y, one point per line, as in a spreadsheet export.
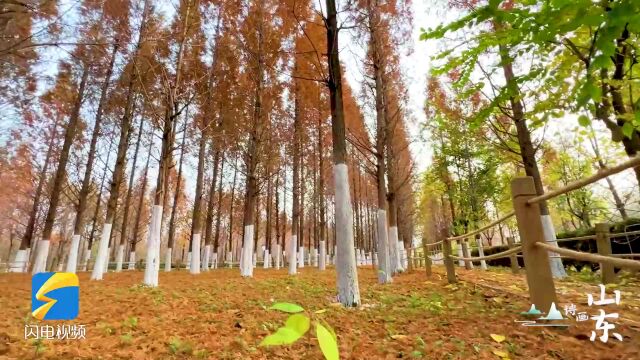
535	250
499	255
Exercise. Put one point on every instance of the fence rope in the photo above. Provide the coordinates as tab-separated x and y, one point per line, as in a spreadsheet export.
488	226
506	253
594	258
577	238
601	174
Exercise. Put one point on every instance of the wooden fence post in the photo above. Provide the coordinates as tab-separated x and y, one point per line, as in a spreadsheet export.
604	248
542	291
427	260
515	268
448	262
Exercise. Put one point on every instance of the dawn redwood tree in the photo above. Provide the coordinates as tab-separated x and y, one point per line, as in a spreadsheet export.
175	104
131	78
348	289
22	255
385	270
174	210
83	196
60	175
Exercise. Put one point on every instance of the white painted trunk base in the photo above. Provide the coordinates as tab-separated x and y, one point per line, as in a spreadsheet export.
119	258
229	259
195	255
255	260
394	258
382	257
132	261
322	265
20	261
460	262
293	268
207	258
152	265
72	259
214	260
189	260
555	262
42	252
101	256
246	266
168	254
278	257
265	260
348	288
301	257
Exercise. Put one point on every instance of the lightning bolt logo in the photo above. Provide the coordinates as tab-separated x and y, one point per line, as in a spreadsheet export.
42	306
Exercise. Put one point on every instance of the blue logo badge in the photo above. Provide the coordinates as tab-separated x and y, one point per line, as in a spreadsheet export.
55	296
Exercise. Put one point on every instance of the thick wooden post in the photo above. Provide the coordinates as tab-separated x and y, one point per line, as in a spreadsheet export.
542	291
604	248
448	262
427	261
466	253
515	268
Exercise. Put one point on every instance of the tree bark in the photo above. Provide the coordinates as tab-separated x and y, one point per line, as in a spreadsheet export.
174	209
348	290
60	176
527	153
127	201
83	196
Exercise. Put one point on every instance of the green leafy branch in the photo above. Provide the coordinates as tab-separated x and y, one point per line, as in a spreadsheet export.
297	325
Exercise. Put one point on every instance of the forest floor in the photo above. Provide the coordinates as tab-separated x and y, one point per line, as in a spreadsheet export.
219	315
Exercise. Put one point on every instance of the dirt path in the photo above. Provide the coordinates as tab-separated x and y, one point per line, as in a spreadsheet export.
219	315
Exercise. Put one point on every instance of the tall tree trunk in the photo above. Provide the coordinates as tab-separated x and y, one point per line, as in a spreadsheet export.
268	229
96	211
60	176
632	143
348	289
127	201
593	140
196	221
172	111
83	196
527	152
208	228
278	250
322	253
233	198
216	240
251	191
295	210
123	144
136	226
174	210
384	259
301	206
21	260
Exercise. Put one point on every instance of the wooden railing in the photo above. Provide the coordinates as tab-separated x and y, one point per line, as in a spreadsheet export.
533	246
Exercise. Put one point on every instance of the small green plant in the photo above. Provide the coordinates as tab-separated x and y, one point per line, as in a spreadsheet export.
131	322
177	346
126	339
39	346
297	325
